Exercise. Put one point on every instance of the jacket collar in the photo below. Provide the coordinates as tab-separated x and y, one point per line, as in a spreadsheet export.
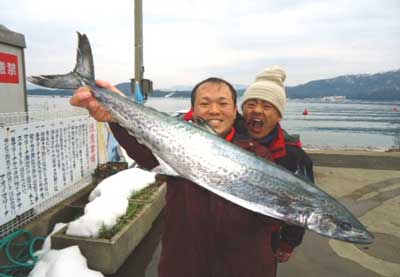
274	141
277	145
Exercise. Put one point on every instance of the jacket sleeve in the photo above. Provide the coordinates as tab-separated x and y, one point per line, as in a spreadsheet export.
140	153
292	236
306	166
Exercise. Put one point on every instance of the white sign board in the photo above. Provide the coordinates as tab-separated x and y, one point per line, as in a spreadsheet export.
41	159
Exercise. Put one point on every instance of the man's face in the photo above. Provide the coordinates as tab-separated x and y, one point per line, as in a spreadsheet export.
261	117
214	103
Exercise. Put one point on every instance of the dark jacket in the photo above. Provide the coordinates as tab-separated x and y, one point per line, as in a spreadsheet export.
286	151
206	235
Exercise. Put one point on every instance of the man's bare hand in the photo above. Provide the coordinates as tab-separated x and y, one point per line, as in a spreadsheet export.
282	256
83	98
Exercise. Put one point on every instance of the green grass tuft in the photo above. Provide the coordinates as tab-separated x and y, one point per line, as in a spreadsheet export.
136	204
133	209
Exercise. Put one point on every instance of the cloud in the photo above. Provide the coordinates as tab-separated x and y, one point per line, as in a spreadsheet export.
186	41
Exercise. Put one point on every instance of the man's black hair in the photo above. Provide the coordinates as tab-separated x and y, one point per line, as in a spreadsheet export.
214	80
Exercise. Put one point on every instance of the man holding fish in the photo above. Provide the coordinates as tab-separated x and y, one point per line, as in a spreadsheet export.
206	235
224	205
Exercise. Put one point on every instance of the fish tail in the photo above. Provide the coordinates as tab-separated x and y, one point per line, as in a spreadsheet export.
82	73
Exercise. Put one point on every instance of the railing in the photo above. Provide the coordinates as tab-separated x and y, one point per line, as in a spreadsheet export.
45	157
10	119
33	213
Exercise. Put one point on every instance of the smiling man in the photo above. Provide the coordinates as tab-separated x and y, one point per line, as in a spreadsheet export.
263	107
214	100
204	235
264	102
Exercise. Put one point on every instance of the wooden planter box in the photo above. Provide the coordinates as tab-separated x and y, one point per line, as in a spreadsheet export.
108	255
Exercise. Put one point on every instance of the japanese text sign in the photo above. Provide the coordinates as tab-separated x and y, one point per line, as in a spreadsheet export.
8	68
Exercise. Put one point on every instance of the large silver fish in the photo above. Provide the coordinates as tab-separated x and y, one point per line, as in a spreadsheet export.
239	176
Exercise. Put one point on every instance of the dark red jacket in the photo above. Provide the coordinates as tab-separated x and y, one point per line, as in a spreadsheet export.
206	235
285	150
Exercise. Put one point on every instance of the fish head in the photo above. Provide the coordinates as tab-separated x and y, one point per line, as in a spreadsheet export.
343	226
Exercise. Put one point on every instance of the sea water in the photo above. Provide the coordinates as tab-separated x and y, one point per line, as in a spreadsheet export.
345	124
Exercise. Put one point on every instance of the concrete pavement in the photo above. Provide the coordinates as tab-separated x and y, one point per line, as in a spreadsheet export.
374	197
368	183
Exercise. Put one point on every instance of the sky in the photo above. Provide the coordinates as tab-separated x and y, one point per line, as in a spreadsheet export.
186	41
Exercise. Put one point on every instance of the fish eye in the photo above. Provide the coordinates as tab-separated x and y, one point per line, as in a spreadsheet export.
345	226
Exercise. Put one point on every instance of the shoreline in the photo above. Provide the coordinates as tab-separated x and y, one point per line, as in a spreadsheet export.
327	148
363	159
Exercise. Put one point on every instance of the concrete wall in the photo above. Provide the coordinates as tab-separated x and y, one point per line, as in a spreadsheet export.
13	94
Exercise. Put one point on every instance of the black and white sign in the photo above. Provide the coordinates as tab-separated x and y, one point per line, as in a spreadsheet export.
41	159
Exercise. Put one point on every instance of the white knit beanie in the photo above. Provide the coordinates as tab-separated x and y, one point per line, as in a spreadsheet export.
268	86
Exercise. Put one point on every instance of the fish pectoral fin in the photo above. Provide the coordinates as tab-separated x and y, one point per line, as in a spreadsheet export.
203	124
164	168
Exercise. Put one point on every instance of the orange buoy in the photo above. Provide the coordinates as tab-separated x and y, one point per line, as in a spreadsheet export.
305	112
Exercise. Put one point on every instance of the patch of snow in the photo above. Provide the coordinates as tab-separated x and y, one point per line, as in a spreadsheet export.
109	201
63	263
47	242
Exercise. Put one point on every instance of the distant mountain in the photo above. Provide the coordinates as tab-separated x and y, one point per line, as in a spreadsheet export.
29	85
175	91
50	92
379	86
383	86
126	88
189	88
179	88
240	87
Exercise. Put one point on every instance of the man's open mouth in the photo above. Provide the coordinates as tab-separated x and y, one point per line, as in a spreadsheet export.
255	124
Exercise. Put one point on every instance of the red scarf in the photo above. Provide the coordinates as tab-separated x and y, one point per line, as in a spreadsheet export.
278	145
229	137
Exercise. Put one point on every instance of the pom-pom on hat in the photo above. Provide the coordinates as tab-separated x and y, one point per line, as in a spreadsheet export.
268	86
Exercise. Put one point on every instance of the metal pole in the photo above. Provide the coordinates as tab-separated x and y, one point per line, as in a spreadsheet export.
139	86
139	69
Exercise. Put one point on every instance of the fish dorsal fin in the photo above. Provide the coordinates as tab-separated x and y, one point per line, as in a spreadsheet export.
201	123
84	59
164	168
